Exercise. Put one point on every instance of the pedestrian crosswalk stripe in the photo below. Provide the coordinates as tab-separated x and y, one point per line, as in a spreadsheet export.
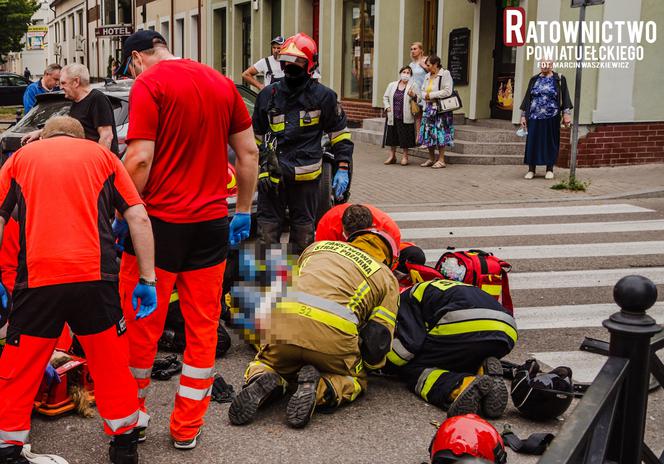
570	316
532	229
580	279
577	250
585	366
517	212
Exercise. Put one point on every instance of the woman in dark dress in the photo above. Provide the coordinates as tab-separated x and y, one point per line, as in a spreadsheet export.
546	99
400	119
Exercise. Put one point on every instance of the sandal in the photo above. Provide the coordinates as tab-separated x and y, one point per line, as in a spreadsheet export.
404	161
427	164
438	165
391	160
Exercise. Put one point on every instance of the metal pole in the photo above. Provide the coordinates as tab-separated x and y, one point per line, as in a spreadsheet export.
577	97
631	330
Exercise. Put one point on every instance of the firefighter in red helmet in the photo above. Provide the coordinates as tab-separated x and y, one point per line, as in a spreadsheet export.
464	437
290	118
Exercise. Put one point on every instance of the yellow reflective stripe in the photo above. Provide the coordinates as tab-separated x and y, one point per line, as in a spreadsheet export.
263	175
357	389
340	137
384	316
417	291
430	382
360	292
456	328
396	359
174	297
278	127
365	263
386	311
309	175
313	122
494	290
258	140
319	315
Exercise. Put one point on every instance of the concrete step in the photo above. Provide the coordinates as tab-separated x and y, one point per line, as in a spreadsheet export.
465	158
373	124
471	133
367	136
492	123
488	148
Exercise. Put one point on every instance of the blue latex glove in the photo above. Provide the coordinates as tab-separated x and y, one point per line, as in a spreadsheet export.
4	296
239	228
148	296
51	375
340	182
120	232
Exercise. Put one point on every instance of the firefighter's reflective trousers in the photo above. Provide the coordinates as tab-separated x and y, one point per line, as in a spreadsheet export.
200	301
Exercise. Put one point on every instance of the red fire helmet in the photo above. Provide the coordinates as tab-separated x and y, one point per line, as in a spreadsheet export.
231	186
300	46
467	436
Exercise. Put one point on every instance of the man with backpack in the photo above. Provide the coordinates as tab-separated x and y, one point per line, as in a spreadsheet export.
269	67
447	344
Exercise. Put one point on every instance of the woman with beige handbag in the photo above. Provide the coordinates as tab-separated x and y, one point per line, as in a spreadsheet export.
399	101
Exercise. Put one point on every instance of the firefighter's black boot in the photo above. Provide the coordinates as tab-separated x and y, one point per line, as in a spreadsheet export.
12	455
262	388
481	395
303	402
124	448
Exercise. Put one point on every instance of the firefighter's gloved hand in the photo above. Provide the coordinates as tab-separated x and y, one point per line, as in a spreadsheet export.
120	232
340	182
148	296
51	375
239	228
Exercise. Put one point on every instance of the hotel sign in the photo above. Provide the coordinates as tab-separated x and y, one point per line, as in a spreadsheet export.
114	30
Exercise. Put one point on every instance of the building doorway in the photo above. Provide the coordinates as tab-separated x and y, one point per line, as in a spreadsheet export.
358	49
504	64
430	27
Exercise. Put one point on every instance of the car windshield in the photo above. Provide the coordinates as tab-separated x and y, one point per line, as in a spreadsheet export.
38	116
248	98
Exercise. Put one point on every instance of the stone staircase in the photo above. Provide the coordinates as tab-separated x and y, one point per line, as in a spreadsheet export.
485	141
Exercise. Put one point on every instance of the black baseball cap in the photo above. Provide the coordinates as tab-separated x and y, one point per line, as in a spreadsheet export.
279	40
137	42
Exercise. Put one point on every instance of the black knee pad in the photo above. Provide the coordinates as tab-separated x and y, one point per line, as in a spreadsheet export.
375	342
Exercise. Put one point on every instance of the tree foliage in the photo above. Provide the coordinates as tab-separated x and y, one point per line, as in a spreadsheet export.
14	20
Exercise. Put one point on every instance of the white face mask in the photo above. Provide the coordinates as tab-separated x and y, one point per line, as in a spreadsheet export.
405	77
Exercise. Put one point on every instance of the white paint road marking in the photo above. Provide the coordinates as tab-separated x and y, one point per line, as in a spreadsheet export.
580	279
577	250
571	316
585	366
518	212
532	229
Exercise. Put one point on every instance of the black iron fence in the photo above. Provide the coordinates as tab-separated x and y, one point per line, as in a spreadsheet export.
608	424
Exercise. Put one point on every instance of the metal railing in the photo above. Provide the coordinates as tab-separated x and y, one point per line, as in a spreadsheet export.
608	424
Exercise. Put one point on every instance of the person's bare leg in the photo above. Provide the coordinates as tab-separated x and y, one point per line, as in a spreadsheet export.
404	158
393	156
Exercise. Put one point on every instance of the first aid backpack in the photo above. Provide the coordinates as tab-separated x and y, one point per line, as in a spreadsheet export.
481	269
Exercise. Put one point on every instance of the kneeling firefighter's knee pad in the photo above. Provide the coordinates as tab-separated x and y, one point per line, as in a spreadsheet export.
375	342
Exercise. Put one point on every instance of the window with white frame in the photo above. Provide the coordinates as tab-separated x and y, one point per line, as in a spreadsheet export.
178	40
165	31
193	22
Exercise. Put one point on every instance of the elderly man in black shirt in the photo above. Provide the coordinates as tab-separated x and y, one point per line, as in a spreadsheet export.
90	107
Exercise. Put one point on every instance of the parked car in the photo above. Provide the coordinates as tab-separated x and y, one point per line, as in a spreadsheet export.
55	104
12	87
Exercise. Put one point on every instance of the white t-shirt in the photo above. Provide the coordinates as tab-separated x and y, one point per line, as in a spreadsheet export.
261	67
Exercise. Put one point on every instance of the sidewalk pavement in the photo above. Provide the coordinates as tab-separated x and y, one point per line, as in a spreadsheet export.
465	184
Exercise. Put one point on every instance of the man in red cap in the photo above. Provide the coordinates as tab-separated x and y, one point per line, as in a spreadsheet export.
183	115
290	118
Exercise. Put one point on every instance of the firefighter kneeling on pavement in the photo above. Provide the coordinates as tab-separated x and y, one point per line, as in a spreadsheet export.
334	323
447	345
289	120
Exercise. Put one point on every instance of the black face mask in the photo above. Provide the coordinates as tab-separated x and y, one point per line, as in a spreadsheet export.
295	76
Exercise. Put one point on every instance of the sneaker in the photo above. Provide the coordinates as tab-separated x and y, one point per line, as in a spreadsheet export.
35	458
142	434
124	448
529	175
186	444
303	402
483	396
491	366
246	403
12	455
548	175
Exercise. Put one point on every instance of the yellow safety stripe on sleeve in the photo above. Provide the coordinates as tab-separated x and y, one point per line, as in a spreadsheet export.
493	290
396	359
360	292
263	175
309	175
258	140
174	297
456	328
319	315
430	382
344	135
386	316
357	389
365	263
278	127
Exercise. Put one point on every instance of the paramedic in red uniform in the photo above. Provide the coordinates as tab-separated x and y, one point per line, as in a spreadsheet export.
67	273
183	114
333	223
